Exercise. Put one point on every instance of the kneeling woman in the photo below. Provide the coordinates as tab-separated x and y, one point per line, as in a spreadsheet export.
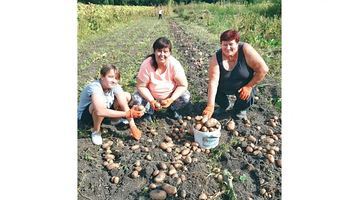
161	81
105	98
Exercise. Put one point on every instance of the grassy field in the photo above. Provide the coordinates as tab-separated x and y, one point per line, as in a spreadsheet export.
258	25
93	20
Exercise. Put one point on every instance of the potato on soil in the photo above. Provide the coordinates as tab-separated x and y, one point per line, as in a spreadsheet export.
169	189
220	178
202	196
183	194
155	172
162	166
160	177
188	160
107	144
230	126
158	195
112	166
109	157
138	169
115	179
164	145
270	158
278	163
185	152
216	170
152	186
172	171
135	174
148	157
136	146
137	163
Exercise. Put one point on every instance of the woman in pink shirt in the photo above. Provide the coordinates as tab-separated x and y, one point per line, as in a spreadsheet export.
161	80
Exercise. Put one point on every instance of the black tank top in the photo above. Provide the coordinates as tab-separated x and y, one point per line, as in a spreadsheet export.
231	81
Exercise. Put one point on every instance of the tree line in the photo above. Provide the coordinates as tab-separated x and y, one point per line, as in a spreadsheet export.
162	2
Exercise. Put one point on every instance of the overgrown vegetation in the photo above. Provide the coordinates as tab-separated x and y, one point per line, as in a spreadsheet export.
258	24
95	19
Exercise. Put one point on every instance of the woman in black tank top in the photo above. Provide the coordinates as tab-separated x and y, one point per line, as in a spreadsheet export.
235	69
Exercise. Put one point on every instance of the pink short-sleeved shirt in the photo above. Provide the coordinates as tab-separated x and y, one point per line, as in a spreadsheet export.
160	86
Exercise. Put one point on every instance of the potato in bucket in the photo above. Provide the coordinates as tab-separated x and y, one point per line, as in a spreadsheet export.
207	139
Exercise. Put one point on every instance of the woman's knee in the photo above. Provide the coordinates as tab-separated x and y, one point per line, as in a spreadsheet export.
185	97
137	99
182	101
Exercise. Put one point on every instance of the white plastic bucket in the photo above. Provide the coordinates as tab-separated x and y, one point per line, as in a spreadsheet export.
207	140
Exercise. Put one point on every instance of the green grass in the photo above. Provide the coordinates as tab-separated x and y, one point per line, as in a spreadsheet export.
97	19
127	53
258	24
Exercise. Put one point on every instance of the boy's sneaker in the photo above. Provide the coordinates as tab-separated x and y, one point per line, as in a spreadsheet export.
96	138
121	121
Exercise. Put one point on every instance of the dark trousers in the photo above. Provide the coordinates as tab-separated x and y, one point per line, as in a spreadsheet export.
222	100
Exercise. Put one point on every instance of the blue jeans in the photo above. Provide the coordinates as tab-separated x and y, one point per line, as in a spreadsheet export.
222	100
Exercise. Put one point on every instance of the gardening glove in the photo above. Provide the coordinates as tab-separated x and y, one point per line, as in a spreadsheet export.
245	92
135	132
133	113
152	104
167	102
209	110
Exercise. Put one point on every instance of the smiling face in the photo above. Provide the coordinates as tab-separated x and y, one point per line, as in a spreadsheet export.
162	55
229	48
109	80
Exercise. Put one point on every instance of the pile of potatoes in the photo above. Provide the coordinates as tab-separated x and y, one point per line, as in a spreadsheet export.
274	121
265	146
159	188
204	124
137	168
173	169
109	160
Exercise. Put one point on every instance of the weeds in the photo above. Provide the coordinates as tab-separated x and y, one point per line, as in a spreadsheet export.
258	24
277	104
93	19
219	151
229	192
243	178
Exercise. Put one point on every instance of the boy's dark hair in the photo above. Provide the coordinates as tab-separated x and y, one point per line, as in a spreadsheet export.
106	68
